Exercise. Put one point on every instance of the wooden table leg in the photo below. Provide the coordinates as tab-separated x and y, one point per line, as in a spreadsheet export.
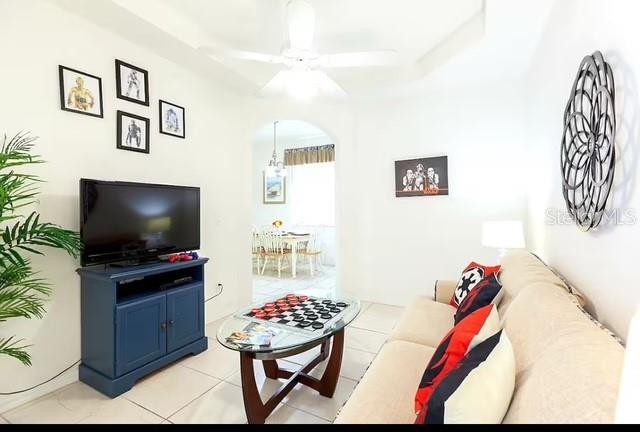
270	368
253	406
257	411
329	379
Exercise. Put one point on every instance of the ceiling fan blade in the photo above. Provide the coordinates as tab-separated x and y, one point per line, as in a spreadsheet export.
359	59
243	55
301	19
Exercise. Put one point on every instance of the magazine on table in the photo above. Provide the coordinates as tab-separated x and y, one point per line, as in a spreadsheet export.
253	334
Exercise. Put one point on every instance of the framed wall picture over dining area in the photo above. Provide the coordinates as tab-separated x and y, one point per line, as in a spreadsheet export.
427	176
274	188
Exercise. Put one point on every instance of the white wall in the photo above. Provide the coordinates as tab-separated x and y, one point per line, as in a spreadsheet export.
34	38
601	264
405	244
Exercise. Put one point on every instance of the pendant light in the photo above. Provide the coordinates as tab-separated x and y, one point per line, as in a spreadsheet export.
275	167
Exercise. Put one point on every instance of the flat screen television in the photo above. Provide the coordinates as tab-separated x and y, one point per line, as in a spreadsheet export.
121	221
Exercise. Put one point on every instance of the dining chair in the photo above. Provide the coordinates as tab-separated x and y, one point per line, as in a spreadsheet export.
256	249
312	249
273	248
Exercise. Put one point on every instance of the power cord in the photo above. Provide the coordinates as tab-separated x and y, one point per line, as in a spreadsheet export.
41	384
220	290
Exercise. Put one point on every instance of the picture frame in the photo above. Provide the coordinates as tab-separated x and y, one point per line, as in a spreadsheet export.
274	189
80	92
171	119
133	136
427	176
132	83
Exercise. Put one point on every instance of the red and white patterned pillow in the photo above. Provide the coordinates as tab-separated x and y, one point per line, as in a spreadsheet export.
488	291
478	389
474	329
471	276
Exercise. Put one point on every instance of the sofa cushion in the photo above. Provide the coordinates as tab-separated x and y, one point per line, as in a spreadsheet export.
478	390
488	291
475	328
471	276
567	368
386	392
424	322
520	269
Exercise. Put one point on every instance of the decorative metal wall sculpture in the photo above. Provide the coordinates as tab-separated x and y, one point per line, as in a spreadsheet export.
588	143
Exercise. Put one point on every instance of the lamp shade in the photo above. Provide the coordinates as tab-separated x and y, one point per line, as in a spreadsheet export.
503	234
629	397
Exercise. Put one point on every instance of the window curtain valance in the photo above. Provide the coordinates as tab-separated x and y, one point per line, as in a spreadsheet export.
310	155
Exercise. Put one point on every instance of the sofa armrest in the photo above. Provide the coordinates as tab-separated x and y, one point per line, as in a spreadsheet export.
444	290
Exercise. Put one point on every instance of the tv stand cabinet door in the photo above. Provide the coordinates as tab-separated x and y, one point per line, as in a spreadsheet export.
185	315
141	332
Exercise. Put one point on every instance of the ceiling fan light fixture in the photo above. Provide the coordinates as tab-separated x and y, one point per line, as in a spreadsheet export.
302	85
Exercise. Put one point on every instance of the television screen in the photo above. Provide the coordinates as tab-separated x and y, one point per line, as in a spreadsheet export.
127	221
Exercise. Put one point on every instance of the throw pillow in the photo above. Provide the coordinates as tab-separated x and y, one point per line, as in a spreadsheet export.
471	276
488	291
454	346
478	390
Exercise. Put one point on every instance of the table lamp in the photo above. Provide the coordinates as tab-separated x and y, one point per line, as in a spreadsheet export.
629	396
503	235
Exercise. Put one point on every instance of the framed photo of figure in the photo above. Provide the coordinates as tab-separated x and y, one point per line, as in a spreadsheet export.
427	176
274	189
132	83
80	92
133	132
171	119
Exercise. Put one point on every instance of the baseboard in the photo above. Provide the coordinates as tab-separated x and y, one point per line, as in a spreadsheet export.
8	403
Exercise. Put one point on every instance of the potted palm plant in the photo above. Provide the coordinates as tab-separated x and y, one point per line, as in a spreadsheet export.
22	292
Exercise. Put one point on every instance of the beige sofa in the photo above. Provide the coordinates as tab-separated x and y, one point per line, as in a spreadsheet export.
567	366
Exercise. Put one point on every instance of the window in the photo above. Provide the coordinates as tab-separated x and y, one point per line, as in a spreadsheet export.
312	193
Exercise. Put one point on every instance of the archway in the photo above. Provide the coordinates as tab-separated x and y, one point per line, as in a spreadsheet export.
298	190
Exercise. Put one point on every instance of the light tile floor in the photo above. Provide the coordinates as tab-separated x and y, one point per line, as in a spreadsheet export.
207	388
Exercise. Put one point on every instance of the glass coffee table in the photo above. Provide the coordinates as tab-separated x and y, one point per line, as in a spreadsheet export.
297	324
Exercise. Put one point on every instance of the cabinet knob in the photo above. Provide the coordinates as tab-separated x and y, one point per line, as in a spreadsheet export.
163	325
171	322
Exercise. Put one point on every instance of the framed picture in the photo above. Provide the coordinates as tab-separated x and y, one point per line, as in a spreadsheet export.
132	83
274	189
171	119
80	92
422	177
133	132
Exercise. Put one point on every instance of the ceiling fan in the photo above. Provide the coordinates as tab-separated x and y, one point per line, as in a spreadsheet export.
304	77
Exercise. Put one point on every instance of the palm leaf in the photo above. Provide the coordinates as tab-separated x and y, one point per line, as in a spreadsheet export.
21	293
9	346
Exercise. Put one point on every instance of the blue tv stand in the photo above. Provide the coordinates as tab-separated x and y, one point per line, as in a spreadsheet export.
138	319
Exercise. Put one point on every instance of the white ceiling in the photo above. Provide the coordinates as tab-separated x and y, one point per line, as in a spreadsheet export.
423	32
411	27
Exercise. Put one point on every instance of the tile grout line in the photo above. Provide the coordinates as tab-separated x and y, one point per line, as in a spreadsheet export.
192	400
374	331
212	376
309	413
145	408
